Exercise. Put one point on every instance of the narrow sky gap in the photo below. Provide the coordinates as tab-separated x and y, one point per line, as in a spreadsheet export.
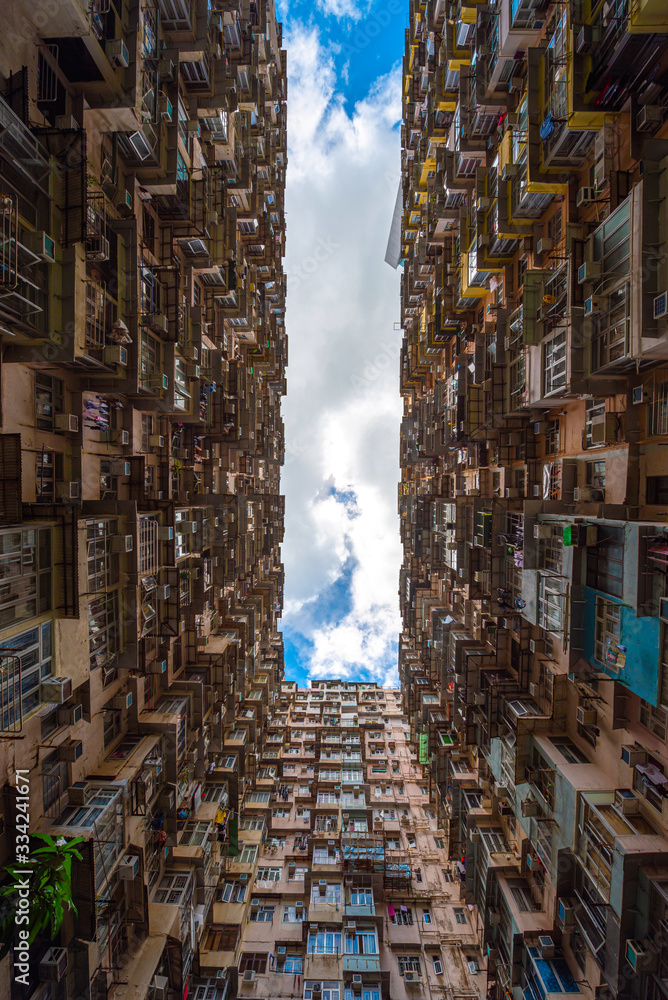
341	550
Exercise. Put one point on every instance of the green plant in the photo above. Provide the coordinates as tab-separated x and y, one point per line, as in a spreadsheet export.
47	877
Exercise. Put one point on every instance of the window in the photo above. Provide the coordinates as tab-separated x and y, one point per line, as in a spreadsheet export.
257	796
297	874
569	750
331	893
48	400
48	469
222	938
268	875
403	917
474	966
263	915
438	967
292	964
554	364
172	889
361	941
653	719
292	915
111	721
361	897
324	942
282	813
248	854
411	840
232	892
440	844
447	875
253	823
552	437
605	562
522	897
253	962
460	916
596	474
607	633
657	489
409	963
25	575
426	916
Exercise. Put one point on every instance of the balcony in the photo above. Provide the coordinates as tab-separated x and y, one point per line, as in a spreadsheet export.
361	963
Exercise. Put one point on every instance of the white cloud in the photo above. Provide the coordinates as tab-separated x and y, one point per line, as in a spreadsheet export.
343	8
343	408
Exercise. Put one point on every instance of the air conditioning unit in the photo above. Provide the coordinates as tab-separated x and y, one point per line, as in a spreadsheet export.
299	905
546	946
116	355
542	530
588	36
565	912
641	956
156	440
595	304
193	371
41	244
249	977
97	248
120	467
68	490
281	950
357	979
158	323
649	118
70	716
124	202
79	793
166	533
167	800
545	245
122	543
122	438
160	988
163	592
67	422
660	305
585	196
192	756
165	109
589	271
586	716
537	645
128	866
633	755
639	395
54	965
67	123
494	916
71	750
55	690
255	904
534	690
192	125
627	803
117	53
412	977
123	701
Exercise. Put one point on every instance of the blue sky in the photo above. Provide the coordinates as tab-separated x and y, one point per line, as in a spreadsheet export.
341	550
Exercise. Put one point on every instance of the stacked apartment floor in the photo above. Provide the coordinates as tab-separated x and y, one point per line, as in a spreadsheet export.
532	228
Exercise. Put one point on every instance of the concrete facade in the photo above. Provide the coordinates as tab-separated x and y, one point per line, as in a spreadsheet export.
532	507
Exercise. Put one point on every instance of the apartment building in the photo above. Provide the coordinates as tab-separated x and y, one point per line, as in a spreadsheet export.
142	363
340	889
532	503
